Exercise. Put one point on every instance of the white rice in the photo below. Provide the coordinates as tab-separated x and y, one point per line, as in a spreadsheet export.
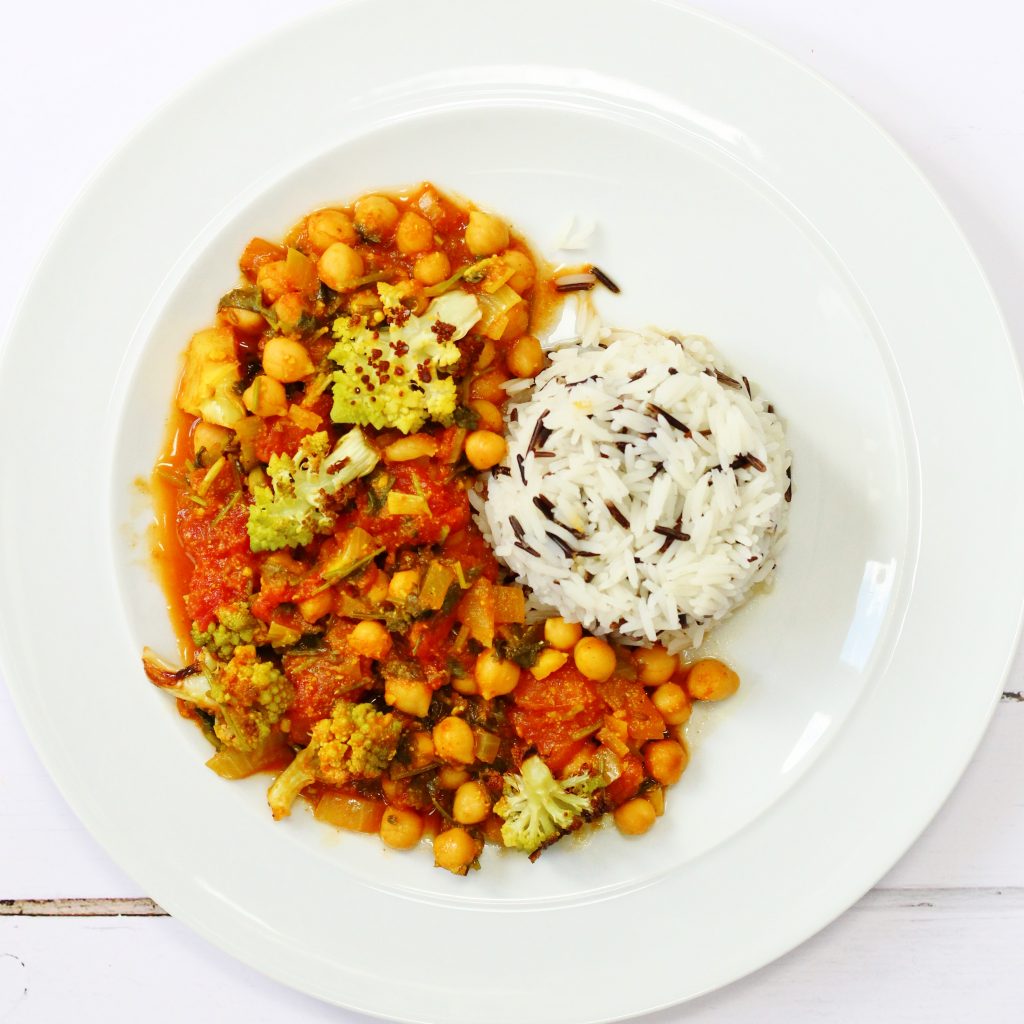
703	523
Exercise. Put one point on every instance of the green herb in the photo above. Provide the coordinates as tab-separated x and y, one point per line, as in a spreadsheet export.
451	599
227	507
251	300
171	478
377	492
472	272
465	418
521	644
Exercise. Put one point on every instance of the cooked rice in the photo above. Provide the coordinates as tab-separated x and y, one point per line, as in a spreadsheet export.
654	431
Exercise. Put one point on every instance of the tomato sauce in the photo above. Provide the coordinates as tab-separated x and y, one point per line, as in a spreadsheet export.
395	602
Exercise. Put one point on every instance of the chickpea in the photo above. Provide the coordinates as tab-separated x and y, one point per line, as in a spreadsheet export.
247	321
711	679
378	590
339	266
365	301
451	778
317	606
289	308
561	634
371	640
488	414
421	749
455	850
454	740
401	829
486	357
403	585
272	280
414	234
672	703
485	234
526	357
210	438
635	816
472	803
518	321
581	762
325	227
484	449
525	272
665	760
286	360
655	665
489	386
495	677
594	658
376	217
432	268
549	660
412	446
464	684
265	396
413	696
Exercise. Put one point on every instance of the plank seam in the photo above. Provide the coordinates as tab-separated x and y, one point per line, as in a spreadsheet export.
75	907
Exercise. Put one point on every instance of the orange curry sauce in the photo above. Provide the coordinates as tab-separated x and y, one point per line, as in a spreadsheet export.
206	562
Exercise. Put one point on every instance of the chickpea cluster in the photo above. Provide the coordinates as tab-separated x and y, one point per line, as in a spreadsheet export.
336	242
671	687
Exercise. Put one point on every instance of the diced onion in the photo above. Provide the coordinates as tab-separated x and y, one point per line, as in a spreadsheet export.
348	810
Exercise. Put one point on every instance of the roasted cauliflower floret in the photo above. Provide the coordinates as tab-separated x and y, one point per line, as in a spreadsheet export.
295	506
538	809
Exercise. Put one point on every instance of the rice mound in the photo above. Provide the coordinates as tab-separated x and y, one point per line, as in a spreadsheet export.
645	490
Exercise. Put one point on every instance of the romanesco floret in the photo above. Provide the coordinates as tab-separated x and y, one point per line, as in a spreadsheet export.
245	696
235	625
356	742
252	695
390	375
295	506
538	809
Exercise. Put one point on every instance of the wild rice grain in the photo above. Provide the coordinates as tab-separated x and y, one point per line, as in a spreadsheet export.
605	280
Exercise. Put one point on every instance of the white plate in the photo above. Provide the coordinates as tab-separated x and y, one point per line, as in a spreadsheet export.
737	195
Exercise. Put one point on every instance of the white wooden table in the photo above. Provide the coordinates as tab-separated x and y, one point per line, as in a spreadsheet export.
939	940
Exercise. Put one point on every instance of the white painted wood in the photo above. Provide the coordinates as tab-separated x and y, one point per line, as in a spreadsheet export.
927	955
946	79
44	850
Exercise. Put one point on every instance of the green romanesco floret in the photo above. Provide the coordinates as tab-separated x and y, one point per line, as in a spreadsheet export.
538	808
245	696
252	695
390	375
356	742
296	505
234	626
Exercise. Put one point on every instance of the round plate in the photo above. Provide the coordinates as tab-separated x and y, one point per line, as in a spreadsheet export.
736	195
